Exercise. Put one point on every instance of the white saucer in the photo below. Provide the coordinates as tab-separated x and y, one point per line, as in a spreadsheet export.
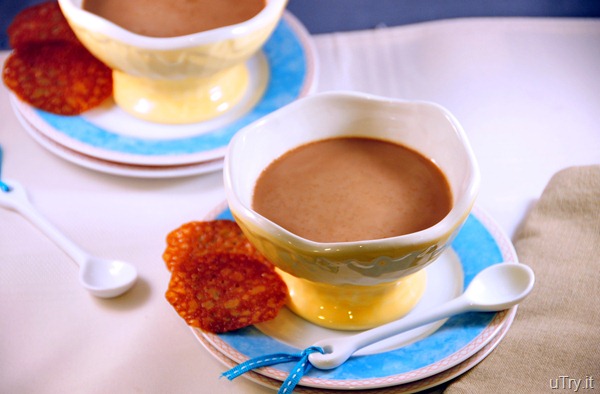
129	170
285	70
418	355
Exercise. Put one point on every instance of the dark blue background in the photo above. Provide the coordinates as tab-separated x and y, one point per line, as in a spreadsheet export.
324	16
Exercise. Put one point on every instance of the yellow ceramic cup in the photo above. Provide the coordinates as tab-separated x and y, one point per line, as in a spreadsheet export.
351	285
181	79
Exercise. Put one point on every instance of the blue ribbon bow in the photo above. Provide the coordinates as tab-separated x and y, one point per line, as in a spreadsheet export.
301	367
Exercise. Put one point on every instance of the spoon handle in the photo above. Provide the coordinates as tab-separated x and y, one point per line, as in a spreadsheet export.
17	200
338	350
450	308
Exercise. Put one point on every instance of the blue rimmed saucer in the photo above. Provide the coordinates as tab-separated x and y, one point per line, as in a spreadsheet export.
285	70
404	388
420	355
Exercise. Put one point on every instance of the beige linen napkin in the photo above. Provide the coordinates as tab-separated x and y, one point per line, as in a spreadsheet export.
554	342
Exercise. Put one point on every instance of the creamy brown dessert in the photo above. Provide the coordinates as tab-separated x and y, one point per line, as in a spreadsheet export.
350	189
167	18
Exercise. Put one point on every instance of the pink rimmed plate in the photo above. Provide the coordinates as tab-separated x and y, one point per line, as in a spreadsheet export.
406	388
410	357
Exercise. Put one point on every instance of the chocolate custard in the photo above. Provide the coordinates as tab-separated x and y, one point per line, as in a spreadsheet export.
351	189
168	18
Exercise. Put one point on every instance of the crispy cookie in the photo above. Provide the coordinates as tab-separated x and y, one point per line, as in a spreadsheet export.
220	292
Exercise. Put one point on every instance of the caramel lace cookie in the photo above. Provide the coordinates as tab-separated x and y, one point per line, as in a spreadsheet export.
43	22
49	68
57	77
220	292
200	237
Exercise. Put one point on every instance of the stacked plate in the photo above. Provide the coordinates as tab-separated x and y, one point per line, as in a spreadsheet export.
109	140
413	361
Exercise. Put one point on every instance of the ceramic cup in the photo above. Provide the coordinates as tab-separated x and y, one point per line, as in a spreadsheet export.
182	79
351	285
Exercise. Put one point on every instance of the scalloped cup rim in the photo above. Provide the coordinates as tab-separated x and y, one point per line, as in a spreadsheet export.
444	227
430	235
98	24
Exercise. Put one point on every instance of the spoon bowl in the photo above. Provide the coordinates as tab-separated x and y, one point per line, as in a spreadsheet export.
101	277
107	278
495	288
499	287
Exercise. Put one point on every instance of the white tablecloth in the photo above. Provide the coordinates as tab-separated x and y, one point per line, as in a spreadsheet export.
527	92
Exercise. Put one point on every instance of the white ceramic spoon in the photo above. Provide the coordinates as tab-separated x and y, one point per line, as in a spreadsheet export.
101	277
497	287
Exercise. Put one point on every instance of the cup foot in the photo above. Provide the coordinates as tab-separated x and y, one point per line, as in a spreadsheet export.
181	101
350	307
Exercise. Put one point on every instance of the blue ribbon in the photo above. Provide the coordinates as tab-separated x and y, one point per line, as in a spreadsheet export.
3	186
301	367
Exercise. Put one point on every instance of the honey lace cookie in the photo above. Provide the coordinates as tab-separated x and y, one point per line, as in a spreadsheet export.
49	68
200	237
42	22
221	292
57	77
